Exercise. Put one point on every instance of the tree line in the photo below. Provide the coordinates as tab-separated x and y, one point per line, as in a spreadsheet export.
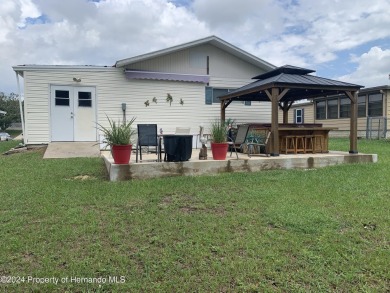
10	104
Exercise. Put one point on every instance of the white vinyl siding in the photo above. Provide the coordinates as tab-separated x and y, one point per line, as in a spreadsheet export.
37	109
37	95
113	89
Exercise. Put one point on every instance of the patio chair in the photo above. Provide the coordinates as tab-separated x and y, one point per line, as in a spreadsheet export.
147	137
240	138
251	145
182	130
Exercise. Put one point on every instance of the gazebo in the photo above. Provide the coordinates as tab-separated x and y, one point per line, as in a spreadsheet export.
287	84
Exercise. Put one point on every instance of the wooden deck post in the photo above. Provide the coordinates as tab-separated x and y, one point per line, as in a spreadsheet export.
353	96
285	116
223	112
274	151
285	106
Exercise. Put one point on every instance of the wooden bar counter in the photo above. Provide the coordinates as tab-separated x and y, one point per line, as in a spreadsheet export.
300	130
303	131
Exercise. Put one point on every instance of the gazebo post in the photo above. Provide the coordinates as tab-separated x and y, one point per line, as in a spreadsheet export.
223	112
285	106
274	122
285	115
353	96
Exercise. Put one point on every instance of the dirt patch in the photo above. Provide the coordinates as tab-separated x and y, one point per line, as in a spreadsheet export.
188	209
167	200
189	204
219	211
82	178
24	149
29	257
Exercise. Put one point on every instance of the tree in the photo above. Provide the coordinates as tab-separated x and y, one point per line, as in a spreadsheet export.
9	104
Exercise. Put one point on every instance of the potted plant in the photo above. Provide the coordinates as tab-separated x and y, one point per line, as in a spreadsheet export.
118	136
219	145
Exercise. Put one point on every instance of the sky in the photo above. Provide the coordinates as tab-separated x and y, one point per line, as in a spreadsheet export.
347	40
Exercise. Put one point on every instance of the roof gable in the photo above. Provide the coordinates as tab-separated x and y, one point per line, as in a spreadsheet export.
212	40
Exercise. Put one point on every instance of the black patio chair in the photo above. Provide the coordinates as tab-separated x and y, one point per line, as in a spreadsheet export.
147	137
240	138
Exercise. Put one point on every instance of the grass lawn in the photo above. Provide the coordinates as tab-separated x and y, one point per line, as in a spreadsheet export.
325	230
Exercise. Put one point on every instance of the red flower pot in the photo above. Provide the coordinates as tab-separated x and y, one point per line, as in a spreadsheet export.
219	150
121	153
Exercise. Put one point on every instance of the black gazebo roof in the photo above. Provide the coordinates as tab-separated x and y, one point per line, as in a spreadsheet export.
301	85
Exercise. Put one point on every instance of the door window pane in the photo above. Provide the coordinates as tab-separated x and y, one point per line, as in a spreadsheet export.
333	109
345	108
85	99
375	106
62	98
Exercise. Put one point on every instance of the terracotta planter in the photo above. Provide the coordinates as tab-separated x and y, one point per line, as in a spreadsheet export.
219	150
121	153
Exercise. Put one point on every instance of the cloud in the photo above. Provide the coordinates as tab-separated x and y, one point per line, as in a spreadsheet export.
86	32
372	68
240	21
100	33
296	32
317	32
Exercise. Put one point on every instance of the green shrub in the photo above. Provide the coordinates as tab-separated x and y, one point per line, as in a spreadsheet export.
118	133
218	132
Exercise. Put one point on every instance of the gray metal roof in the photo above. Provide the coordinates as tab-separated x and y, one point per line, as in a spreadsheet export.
288	69
301	85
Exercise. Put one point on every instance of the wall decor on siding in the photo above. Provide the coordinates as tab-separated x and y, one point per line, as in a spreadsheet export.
169	99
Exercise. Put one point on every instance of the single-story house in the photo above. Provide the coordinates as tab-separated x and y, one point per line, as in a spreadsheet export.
64	103
334	111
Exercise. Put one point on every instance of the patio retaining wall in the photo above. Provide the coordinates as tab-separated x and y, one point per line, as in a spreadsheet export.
210	167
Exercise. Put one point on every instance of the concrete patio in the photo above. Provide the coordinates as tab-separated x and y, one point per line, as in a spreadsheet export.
61	150
149	168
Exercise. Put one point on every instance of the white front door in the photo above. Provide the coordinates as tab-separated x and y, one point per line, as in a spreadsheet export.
73	113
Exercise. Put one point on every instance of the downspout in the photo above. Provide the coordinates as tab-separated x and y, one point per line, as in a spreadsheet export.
21	109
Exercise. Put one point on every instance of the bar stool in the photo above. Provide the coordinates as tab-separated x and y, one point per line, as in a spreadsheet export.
318	143
309	143
300	144
288	143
